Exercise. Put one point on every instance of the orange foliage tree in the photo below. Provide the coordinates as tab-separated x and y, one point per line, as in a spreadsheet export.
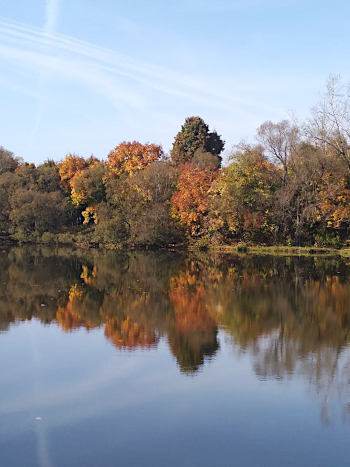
129	157
84	180
334	202
193	335
70	166
129	334
190	200
69	317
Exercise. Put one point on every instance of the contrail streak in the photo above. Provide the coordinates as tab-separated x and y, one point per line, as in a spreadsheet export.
107	62
51	14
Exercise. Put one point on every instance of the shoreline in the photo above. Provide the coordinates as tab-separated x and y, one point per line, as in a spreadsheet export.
238	249
280	250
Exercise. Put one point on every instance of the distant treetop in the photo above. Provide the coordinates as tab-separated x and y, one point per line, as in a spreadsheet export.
194	143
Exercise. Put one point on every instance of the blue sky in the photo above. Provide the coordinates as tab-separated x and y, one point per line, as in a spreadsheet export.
83	75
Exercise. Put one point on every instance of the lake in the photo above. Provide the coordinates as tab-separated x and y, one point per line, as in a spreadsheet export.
168	359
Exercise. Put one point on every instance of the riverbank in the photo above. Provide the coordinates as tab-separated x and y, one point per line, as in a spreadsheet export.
275	250
279	250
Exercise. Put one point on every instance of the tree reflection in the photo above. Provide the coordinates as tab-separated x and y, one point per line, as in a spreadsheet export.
193	334
292	315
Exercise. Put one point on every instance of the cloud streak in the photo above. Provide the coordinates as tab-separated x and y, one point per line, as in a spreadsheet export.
51	15
114	75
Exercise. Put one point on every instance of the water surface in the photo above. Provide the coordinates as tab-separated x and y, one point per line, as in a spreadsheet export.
162	359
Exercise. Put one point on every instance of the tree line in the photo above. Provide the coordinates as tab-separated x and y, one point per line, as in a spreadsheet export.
292	186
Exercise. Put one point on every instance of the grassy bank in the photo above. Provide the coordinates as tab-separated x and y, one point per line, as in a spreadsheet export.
82	240
283	250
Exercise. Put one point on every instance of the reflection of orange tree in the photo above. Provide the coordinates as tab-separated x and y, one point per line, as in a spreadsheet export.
129	334
124	313
87	275
292	315
194	333
69	317
83	309
129	302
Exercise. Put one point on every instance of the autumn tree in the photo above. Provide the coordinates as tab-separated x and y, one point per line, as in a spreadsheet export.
26	176
8	161
7	185
70	166
332	202
149	215
128	157
48	177
138	207
329	125
88	189
293	187
190	201
243	196
193	336
297	202
88	186
139	184
32	200
313	204
34	212
8	164
279	141
195	138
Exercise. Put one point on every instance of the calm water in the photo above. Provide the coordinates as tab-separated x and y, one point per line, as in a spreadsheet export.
159	359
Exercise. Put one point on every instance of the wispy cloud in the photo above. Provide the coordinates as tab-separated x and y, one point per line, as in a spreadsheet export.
51	15
222	6
108	72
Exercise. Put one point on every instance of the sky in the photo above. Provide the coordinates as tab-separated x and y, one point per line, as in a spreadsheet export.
81	76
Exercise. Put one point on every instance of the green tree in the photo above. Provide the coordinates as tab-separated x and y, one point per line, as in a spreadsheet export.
7	184
48	177
8	162
35	212
138	207
195	136
243	197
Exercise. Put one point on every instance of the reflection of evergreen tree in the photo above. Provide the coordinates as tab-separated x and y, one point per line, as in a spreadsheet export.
191	350
291	314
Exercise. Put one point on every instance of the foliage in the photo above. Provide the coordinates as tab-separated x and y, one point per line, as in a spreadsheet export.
87	186
190	201
299	306
242	204
70	166
8	162
279	140
292	187
130	157
195	136
48	177
142	203
112	228
32	211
